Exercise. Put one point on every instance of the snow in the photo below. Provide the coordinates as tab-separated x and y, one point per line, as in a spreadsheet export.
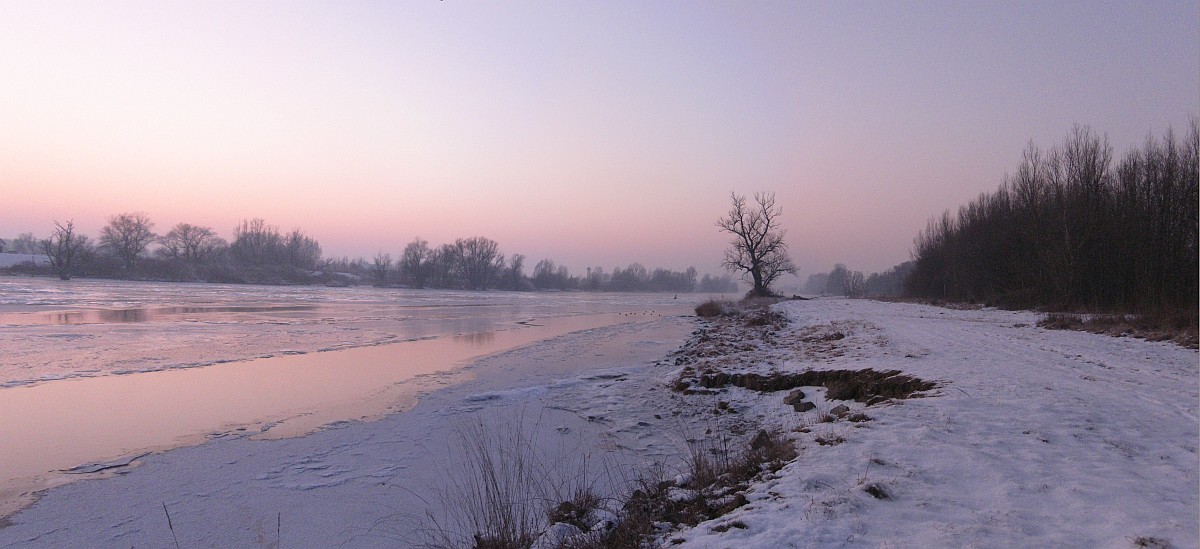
1035	438
9	259
1032	438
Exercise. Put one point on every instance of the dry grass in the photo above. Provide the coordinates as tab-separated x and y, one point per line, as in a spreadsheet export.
868	386
1180	328
754	311
719	470
1151	542
714	307
505	487
505	491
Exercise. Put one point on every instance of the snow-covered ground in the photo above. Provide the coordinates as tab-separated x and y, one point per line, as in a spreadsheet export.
1033	438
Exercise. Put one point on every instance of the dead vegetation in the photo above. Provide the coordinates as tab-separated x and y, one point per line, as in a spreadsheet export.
719	472
507	504
1180	328
1151	542
753	311
714	307
867	386
719	466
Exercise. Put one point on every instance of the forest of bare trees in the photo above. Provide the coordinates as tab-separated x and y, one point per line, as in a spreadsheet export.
261	253
1072	230
843	281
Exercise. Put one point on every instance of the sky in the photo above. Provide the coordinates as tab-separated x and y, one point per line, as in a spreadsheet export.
591	133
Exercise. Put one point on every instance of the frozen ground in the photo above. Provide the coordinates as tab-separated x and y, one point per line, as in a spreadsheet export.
1033	438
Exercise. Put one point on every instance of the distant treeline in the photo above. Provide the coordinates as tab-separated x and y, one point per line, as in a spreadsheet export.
842	281
1070	230
260	253
476	263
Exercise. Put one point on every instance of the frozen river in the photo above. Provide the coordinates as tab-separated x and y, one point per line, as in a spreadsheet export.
93	373
54	330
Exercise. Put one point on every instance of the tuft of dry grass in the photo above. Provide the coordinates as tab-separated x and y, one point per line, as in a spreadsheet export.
714	308
718	471
1151	542
504	488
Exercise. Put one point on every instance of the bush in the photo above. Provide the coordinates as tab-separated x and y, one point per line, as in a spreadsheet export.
714	307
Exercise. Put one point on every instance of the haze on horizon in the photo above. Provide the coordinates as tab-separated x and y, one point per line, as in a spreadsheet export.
594	134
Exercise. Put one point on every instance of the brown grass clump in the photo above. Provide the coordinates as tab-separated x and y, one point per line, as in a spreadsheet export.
868	386
714	308
719	471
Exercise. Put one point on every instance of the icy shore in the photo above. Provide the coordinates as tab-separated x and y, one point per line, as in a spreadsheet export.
1031	438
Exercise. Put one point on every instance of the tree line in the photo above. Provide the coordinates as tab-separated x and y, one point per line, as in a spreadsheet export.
476	263
1072	230
842	281
128	248
258	253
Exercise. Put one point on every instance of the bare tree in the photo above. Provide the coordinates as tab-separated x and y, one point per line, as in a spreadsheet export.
127	236
837	280
63	248
442	266
413	263
479	261
757	250
191	244
302	251
382	265
514	275
257	244
855	284
25	244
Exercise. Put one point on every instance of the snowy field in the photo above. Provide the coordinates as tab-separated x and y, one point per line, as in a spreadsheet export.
1033	438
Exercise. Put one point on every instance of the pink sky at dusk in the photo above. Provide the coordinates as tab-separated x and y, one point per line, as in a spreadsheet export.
592	133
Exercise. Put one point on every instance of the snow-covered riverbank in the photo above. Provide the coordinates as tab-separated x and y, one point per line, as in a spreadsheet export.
1031	438
1034	438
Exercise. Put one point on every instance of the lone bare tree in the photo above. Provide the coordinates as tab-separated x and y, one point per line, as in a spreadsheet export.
63	248
127	236
757	249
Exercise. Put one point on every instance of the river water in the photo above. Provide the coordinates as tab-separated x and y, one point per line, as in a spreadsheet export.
95	373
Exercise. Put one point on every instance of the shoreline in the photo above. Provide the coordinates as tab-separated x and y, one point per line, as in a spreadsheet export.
1030	437
489	383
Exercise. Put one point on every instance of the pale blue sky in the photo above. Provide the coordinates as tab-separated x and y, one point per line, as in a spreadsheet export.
589	132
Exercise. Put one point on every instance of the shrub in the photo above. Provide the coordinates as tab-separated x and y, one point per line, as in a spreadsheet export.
714	307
